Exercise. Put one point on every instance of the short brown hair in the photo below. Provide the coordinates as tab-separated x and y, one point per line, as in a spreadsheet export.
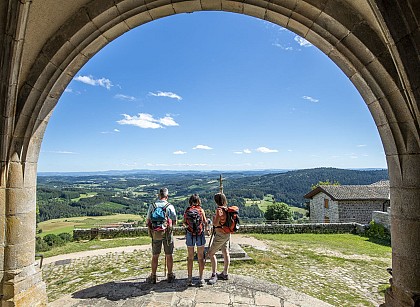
220	199
194	200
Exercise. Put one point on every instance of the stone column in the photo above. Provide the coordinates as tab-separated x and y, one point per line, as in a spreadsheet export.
22	283
405	231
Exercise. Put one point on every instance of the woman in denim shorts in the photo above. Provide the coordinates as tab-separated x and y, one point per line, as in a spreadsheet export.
194	239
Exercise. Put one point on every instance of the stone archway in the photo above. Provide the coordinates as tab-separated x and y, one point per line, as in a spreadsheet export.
372	41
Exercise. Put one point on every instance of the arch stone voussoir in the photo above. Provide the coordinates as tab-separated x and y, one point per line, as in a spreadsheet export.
374	42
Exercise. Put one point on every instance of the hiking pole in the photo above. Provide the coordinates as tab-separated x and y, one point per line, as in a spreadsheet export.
210	241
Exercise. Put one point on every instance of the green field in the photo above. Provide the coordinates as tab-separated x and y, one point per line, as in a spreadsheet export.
84	195
268	200
57	226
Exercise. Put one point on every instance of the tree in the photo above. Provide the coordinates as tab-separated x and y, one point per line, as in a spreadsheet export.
279	211
327	182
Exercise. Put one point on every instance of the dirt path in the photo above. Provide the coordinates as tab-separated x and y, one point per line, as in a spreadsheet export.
179	243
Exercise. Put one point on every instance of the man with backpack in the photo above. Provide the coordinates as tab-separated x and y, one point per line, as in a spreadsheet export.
160	219
196	226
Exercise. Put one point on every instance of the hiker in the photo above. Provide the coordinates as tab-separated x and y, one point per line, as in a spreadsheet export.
196	226
160	219
220	241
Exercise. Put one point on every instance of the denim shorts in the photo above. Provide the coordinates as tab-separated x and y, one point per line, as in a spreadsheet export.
195	240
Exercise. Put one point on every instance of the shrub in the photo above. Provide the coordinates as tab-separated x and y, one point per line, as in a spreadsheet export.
53	240
66	237
41	245
378	231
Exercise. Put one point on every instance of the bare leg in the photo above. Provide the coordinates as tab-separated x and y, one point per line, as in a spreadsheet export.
169	263
190	260
226	260
155	259
200	255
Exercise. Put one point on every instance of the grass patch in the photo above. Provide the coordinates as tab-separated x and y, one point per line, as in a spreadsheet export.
84	195
341	269
57	226
79	246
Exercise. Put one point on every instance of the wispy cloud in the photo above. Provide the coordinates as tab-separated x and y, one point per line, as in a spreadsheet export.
179	152
302	42
266	150
311	99
278	45
125	97
111	132
245	151
147	121
62	152
166	94
204	147
361	145
116	130
104	82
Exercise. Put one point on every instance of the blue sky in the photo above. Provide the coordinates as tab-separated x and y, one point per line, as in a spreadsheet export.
210	91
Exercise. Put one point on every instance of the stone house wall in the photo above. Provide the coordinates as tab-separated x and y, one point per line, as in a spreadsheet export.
358	211
319	214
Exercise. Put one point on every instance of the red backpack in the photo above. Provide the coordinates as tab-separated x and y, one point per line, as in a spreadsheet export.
229	221
193	218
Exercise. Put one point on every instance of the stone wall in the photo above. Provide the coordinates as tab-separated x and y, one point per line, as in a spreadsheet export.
358	211
108	233
383	218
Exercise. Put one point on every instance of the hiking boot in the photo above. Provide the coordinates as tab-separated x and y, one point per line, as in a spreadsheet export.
213	279
189	282
171	277
222	276
151	279
200	283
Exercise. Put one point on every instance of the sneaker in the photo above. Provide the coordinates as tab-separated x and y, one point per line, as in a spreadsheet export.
151	279
222	276
213	279
189	282
200	283
171	277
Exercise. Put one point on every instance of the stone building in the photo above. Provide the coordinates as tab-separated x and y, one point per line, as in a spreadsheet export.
347	203
44	43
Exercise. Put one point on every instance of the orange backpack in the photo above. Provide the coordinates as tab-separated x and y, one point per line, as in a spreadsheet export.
229	220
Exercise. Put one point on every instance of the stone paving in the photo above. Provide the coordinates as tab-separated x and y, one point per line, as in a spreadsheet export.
238	291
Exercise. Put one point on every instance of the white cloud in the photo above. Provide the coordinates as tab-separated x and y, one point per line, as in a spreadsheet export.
302	42
361	145
63	152
104	82
125	97
310	98
179	152
68	90
245	151
278	45
116	130
166	94
205	147
147	121
266	150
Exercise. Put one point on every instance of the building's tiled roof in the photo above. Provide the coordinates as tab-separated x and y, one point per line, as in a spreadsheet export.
375	191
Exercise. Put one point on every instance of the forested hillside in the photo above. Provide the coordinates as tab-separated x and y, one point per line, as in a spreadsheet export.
93	195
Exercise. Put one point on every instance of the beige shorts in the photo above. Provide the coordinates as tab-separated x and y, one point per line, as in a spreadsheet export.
220	242
166	239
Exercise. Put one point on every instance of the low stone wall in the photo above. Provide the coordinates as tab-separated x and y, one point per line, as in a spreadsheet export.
109	233
304	228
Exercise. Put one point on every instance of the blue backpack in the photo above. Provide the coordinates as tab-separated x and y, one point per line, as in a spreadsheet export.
159	218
